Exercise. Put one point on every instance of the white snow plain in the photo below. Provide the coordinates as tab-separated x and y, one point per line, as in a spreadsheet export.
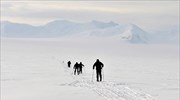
33	69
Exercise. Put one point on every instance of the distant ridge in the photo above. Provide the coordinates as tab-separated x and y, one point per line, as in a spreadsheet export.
65	28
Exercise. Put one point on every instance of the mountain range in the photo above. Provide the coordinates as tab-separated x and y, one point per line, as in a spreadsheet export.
64	28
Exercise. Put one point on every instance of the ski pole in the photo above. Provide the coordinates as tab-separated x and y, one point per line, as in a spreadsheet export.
84	69
103	74
92	75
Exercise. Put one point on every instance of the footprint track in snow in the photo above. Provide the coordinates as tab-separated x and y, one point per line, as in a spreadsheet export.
108	90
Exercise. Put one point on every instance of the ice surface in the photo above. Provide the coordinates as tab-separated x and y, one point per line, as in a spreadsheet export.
33	69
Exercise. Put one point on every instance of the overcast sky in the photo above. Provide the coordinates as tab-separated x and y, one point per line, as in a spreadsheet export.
149	15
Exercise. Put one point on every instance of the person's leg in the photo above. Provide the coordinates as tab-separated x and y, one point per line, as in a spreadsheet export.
81	71
97	75
100	74
77	71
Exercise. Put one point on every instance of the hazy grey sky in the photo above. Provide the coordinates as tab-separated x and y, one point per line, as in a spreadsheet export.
150	15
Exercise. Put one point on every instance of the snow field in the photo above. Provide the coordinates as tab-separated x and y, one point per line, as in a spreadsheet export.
32	69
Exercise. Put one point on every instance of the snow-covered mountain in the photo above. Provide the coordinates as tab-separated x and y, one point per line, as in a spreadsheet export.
129	32
54	28
9	29
65	28
168	35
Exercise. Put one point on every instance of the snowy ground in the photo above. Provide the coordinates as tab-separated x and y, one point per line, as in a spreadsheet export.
33	69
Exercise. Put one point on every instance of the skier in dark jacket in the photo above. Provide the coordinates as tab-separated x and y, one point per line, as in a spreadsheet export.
80	67
69	64
99	65
76	65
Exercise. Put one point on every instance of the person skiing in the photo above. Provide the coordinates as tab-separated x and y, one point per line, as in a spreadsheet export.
99	65
76	65
69	64
80	67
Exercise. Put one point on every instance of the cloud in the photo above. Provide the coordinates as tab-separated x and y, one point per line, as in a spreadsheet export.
113	7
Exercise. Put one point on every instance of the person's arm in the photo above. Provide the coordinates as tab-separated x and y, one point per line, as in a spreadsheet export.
102	65
94	65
